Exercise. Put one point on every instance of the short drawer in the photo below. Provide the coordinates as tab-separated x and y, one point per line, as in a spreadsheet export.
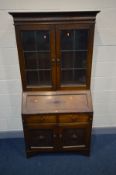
73	118
40	119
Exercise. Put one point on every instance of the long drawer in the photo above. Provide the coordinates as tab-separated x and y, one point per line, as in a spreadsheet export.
73	118
40	119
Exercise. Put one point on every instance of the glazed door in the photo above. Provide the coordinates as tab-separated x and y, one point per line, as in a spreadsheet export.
37	56
73	43
55	57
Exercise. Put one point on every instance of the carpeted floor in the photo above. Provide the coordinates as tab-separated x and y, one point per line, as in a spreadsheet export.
101	162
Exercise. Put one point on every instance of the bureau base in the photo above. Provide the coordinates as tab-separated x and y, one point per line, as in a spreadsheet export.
57	122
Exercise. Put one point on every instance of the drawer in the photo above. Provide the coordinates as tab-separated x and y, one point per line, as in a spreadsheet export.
40	119
73	118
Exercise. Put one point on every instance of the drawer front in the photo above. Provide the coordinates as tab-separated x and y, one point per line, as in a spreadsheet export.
73	118
40	119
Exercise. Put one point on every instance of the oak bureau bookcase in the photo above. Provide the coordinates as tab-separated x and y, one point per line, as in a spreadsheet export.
55	56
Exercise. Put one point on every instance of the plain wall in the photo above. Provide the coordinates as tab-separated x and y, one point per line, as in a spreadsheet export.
103	81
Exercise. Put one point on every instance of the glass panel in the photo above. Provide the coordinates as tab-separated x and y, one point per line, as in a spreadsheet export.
44	77
32	77
28	40
74	59
67	37
66	76
74	56
80	59
30	60
35	60
74	39
67	59
81	37
43	41
44	60
80	76
36	48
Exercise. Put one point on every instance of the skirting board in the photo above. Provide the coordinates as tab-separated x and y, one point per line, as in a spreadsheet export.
104	130
19	134
11	134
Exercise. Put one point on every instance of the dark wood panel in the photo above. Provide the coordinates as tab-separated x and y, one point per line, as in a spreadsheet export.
75	136
41	138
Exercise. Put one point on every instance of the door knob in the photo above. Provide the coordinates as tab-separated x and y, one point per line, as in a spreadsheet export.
53	61
58	60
